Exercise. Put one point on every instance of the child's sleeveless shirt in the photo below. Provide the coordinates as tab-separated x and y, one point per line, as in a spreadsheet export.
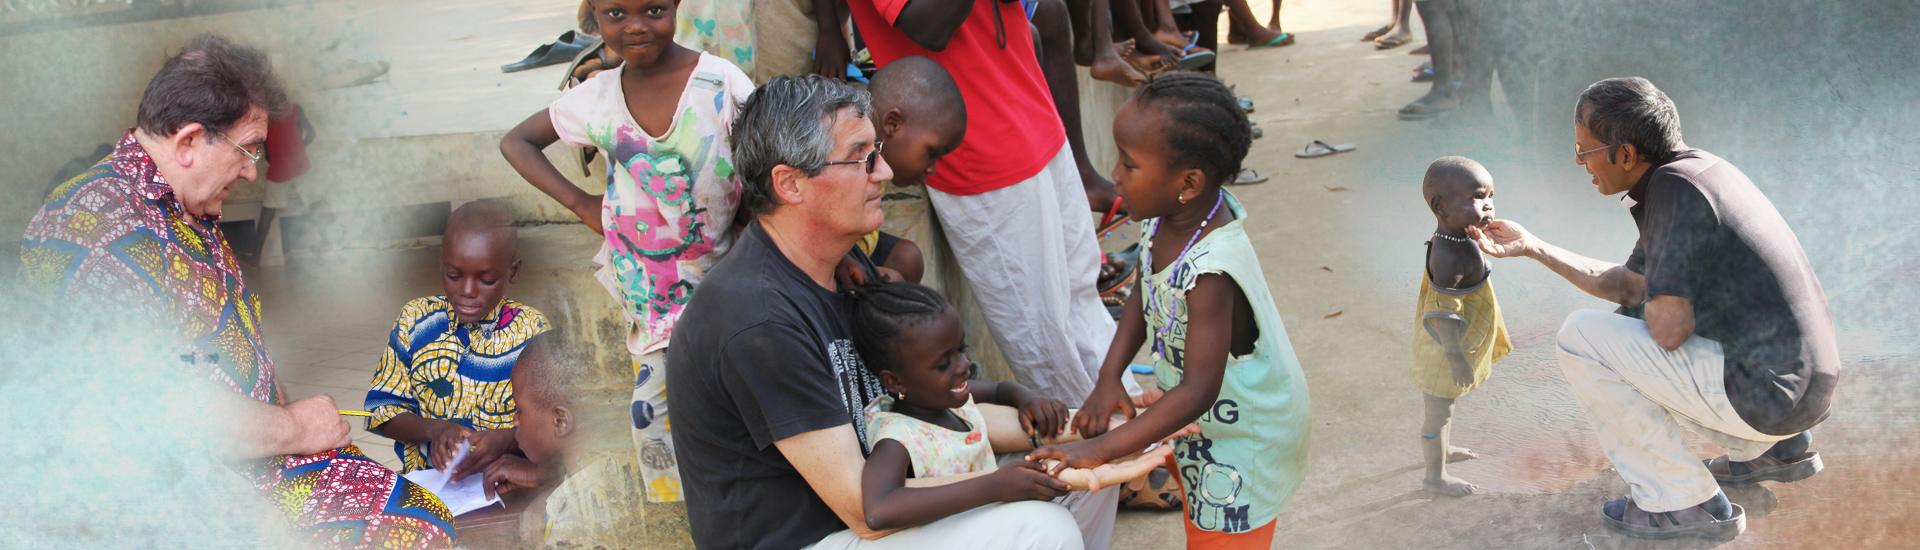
936	451
668	211
1484	341
1251	453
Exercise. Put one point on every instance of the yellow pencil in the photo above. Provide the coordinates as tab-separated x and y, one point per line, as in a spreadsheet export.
356	413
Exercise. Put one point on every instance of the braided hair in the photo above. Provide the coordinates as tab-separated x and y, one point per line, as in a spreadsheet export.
1206	128
882	310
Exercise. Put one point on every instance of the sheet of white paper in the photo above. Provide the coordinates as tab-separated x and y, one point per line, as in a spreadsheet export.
464	496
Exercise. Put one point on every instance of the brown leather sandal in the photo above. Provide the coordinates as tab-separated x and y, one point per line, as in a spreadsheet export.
1642	524
1765	468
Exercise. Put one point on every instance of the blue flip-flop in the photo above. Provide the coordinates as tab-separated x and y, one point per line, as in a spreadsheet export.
1190	62
1285	39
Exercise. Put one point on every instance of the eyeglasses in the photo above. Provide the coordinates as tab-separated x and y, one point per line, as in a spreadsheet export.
1577	153
250	154
872	160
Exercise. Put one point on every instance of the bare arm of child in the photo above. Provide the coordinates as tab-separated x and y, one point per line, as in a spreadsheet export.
932	23
830	51
1039	416
1211	332
890	504
1109	395
523	145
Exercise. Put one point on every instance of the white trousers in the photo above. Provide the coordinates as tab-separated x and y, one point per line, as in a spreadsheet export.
1025	525
1637	395
1029	254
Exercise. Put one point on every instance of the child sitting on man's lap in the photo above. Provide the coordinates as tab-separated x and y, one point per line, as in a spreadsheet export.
929	426
1458	333
443	379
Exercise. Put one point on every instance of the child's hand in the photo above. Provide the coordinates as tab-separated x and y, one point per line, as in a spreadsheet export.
1107	397
1462	372
1025	480
488	446
1078	454
1043	417
512	473
849	275
447	437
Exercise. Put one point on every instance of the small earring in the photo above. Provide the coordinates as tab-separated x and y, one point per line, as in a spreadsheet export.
1183	199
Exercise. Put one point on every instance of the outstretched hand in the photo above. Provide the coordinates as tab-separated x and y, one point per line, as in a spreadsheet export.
1503	239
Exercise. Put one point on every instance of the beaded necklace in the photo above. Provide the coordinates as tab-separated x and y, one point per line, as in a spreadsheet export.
1146	261
1462	240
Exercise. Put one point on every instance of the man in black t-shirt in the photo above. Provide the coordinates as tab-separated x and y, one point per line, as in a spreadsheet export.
767	391
1736	343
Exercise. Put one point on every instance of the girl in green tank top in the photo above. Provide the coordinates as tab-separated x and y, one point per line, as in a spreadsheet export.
1219	347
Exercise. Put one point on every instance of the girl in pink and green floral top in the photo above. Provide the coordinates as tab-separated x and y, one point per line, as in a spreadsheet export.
662	121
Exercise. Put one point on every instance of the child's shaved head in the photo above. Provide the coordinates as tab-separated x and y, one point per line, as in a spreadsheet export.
546	377
921	89
1446	174
548	370
482	219
919	113
1459	192
478	258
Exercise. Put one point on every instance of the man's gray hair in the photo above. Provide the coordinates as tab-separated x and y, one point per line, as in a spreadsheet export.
1631	110
788	120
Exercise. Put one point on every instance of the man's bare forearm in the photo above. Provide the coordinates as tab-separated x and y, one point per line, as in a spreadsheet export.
1604	280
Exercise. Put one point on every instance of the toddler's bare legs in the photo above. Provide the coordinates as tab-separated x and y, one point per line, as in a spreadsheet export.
1434	445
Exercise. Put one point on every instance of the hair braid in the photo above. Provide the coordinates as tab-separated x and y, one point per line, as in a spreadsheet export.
882	311
1206	127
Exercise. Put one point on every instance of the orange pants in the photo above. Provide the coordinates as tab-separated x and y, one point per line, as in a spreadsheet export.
1257	539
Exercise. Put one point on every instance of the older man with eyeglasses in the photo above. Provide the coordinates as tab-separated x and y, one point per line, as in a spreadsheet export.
137	236
1723	327
769	394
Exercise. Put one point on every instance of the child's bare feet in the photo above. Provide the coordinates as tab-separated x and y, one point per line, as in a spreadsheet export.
1170	38
1109	65
1447	486
1460	454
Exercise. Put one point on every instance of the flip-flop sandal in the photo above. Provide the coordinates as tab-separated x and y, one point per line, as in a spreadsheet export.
1422	111
1285	39
1422	50
1112	220
569	45
1642	524
1191	59
1382	31
1384	43
1246	103
592	51
1248	176
1766	468
1424	74
1320	149
1258	133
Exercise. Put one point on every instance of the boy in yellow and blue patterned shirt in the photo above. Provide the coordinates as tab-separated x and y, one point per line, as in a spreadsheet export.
445	377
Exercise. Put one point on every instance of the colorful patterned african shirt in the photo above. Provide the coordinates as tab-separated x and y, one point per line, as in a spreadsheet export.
441	369
115	237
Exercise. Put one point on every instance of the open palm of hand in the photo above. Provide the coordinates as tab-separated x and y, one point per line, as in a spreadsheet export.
1502	238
